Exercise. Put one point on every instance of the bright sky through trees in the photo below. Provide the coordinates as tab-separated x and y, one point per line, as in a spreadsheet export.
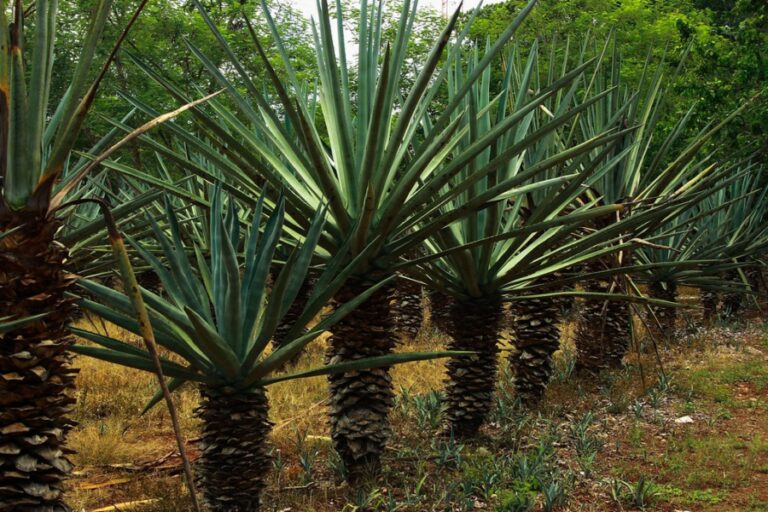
308	6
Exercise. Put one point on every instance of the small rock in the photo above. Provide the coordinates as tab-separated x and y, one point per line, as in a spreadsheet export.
683	420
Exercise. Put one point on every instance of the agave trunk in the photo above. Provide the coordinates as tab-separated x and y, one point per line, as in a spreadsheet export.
709	301
603	330
294	312
663	326
754	275
361	400
150	281
36	378
733	301
235	460
409	310
440	310
473	326
536	325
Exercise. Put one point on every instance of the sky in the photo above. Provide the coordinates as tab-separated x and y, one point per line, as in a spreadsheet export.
308	6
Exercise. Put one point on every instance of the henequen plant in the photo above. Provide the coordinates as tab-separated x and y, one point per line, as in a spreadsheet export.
36	378
703	245
655	169
515	247
218	318
378	160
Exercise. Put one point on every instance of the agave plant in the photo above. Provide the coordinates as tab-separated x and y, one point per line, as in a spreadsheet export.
36	138
379	160
515	249
218	318
652	172
704	245
84	231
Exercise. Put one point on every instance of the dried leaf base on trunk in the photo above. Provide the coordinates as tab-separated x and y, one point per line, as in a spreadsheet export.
602	332
663	325
36	378
234	463
733	302
361	400
754	276
536	324
709	302
440	310
473	326
409	311
294	312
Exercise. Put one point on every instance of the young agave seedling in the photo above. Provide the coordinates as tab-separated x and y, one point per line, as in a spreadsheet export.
218	318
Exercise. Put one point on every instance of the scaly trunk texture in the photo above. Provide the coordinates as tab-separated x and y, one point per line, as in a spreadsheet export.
440	310
409	312
474	326
666	317
536	325
733	301
569	306
36	377
603	330
709	301
361	400
149	280
754	275
294	312
234	462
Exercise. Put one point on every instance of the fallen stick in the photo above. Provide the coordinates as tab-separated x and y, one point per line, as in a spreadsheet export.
127	505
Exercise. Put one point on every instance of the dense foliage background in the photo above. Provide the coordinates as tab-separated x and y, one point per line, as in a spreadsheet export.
727	64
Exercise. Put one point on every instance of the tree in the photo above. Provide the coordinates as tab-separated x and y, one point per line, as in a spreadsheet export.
160	38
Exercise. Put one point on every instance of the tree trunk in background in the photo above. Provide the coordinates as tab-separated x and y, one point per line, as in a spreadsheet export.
754	274
294	312
733	301
663	326
536	325
709	301
235	459
755	277
361	400
149	280
473	326
36	377
409	311
603	330
440	310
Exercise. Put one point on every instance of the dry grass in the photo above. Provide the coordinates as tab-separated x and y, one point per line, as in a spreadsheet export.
111	431
717	371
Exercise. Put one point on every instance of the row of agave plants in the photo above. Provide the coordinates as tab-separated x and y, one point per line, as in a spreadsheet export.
501	175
